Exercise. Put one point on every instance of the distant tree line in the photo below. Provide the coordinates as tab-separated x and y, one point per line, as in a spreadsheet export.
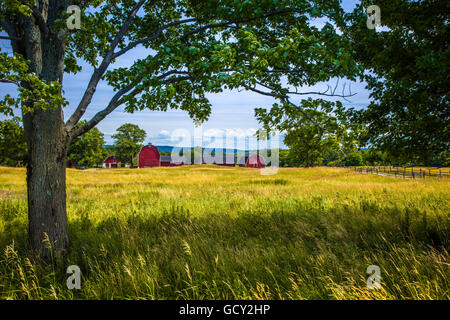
86	151
128	141
363	157
405	67
310	144
13	148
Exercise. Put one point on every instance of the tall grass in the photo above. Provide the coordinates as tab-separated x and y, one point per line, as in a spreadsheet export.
206	232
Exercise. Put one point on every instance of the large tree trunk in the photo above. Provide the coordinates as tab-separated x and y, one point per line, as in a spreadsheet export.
46	183
47	138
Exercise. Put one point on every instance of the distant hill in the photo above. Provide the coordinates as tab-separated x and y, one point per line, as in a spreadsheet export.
169	149
165	148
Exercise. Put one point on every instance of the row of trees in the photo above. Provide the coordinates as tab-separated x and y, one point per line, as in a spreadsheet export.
406	68
13	147
309	145
327	134
362	157
87	150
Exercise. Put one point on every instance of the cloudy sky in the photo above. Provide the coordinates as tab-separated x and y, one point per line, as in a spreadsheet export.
232	111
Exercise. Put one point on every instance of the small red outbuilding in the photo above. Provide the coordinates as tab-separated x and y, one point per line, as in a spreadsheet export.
255	161
110	162
149	157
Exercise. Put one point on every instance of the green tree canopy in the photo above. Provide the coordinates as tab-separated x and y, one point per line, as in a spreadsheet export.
87	149
196	47
13	147
407	65
323	127
128	142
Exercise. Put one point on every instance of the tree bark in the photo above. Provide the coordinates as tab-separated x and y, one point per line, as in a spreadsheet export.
46	184
47	137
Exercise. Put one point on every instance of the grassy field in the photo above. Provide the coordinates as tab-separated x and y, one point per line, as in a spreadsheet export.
206	232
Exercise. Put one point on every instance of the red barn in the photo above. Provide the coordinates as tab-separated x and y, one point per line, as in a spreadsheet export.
255	161
110	162
149	157
166	161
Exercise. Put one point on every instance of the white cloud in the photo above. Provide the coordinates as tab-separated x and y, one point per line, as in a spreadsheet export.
163	134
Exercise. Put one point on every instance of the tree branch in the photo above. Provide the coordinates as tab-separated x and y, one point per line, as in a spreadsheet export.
324	93
10	81
152	38
203	28
228	23
177	79
286	98
304	113
118	100
10	30
6	38
98	73
99	116
40	20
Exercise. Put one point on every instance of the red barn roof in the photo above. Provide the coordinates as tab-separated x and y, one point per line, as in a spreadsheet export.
149	157
255	161
111	159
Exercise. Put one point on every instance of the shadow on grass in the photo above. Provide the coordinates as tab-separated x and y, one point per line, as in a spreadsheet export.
288	254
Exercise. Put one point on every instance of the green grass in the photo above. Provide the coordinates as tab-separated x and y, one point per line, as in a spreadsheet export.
206	232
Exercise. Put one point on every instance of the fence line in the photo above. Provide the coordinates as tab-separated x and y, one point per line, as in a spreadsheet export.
405	172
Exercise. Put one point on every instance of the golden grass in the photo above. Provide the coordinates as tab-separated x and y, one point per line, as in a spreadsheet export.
208	232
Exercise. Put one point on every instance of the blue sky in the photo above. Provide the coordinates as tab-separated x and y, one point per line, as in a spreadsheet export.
232	111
